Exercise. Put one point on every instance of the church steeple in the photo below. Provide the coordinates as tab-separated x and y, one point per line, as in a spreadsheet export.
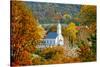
59	28
60	40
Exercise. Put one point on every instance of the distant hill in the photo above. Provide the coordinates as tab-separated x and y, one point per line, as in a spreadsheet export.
45	12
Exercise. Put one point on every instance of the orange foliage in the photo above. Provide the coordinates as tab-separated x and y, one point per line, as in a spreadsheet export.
25	33
57	55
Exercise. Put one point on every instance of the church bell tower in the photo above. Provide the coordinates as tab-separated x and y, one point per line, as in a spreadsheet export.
60	37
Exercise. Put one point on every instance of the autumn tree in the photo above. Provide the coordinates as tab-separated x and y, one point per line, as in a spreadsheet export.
88	33
25	33
55	55
88	14
70	32
86	53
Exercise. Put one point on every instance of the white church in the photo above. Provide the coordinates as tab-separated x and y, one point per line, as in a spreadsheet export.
54	38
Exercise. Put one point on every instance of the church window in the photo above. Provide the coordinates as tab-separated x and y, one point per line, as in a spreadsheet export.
50	41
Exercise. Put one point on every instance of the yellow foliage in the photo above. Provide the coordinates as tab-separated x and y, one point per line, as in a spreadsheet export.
71	31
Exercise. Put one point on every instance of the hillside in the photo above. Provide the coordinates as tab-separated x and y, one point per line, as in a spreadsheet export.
46	12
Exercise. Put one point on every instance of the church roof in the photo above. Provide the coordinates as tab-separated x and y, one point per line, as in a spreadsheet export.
51	35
